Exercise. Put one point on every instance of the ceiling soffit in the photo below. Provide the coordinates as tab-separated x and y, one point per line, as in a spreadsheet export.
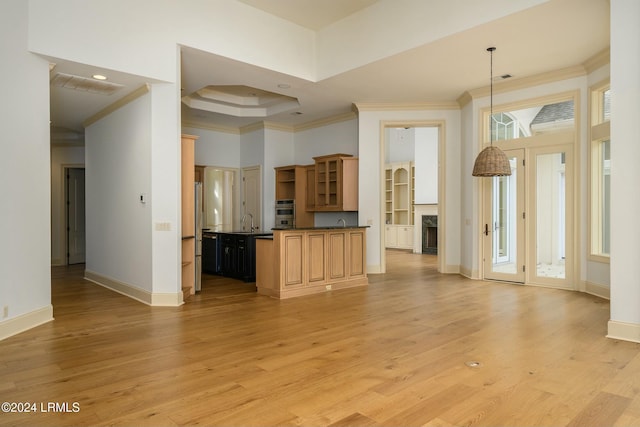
240	101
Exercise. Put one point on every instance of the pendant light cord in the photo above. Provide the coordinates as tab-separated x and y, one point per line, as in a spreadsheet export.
491	49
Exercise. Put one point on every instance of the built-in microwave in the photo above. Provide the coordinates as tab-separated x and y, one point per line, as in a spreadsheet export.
285	213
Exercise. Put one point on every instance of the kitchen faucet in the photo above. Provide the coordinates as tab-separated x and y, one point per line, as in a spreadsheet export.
344	223
245	217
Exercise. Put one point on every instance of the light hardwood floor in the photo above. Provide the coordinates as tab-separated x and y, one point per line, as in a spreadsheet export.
390	354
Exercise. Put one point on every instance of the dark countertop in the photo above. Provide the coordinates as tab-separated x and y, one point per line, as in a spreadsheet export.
240	233
330	227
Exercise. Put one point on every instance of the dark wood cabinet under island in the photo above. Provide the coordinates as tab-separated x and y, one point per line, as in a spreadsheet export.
230	254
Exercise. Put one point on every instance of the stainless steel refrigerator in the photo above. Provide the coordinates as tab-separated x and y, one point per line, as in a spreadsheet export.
198	234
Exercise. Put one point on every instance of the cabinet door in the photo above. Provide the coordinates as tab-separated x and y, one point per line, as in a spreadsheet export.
311	190
316	244
405	236
357	255
209	253
391	236
337	256
242	261
293	256
328	184
228	255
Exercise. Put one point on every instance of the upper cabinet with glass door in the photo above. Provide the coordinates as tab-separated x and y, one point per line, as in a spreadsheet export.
336	183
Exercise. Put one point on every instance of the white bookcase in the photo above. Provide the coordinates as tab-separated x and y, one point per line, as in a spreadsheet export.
399	205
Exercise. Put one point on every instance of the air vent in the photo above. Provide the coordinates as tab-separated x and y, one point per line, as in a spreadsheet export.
84	84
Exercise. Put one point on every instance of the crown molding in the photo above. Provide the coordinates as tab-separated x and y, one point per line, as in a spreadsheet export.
598	60
390	106
522	83
211	126
142	90
278	126
327	121
272	125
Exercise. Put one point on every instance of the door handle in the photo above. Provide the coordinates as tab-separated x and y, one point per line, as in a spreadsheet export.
486	229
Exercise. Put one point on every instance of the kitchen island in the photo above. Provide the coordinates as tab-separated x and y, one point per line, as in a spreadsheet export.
302	261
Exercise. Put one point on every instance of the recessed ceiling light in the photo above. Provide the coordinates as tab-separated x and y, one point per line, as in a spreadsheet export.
99	77
284	86
297	113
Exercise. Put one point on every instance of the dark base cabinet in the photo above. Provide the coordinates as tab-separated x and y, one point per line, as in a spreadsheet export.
235	256
210	253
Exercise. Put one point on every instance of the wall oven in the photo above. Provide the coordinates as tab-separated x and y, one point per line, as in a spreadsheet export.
285	213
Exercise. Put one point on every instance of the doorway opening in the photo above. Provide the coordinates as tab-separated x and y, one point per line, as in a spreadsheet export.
75	224
412	153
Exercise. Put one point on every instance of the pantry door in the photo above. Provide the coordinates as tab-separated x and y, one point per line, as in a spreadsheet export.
503	228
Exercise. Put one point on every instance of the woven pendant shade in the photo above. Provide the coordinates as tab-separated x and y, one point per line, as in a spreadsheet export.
491	162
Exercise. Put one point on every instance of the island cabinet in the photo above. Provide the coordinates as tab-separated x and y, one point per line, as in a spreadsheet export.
336	183
237	255
300	262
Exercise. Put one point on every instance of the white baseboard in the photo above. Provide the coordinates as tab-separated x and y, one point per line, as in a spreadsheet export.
451	269
26	321
597	290
374	269
144	296
624	331
466	272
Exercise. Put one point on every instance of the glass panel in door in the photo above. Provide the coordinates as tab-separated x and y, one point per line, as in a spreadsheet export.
503	231
551	217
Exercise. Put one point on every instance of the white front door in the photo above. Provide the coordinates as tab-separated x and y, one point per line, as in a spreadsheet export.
504	226
527	230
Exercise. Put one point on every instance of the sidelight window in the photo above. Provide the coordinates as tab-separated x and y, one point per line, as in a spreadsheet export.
600	171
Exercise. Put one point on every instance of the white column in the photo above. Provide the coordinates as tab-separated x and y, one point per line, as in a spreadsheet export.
625	176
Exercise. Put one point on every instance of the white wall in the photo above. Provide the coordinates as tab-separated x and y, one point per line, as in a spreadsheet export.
118	170
25	186
625	173
400	145
166	198
426	165
61	157
341	137
214	148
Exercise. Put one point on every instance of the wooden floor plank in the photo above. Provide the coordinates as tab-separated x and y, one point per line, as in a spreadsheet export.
391	353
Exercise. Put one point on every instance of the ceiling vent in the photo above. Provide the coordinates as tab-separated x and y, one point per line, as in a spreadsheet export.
84	84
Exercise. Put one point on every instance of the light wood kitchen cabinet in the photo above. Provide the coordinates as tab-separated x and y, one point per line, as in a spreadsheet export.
291	183
188	214
303	262
336	183
311	188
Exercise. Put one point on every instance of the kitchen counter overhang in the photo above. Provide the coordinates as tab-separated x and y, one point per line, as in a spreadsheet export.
303	261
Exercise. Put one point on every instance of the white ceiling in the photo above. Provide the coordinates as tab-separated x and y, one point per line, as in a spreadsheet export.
312	14
554	35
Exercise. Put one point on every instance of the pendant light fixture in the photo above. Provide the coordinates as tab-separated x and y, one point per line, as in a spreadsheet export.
491	161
